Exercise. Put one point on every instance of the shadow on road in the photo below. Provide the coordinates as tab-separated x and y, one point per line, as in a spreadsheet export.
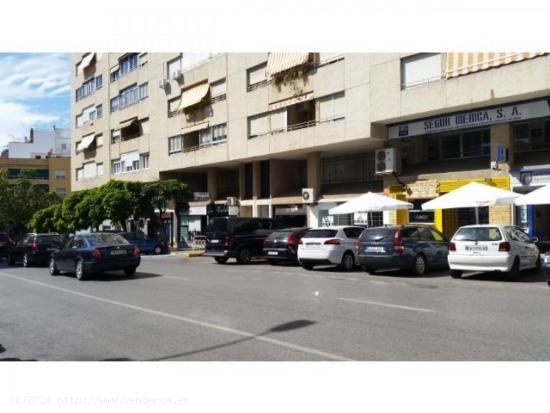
2	350
527	276
119	276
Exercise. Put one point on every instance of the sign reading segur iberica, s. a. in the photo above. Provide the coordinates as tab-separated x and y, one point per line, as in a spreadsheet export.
472	119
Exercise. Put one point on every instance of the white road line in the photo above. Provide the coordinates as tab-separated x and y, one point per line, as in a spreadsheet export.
402	307
303	349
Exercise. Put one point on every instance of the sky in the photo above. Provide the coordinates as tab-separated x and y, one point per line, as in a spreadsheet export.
34	92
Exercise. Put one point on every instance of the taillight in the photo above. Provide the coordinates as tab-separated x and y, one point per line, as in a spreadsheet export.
301	242
397	243
34	246
136	251
332	241
452	246
290	240
227	241
504	246
96	254
356	246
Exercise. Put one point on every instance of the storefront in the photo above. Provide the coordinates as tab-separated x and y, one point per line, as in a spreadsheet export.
194	220
293	215
319	216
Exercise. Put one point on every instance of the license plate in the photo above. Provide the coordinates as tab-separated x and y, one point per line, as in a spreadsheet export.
312	244
118	252
214	241
375	249
272	253
476	248
50	249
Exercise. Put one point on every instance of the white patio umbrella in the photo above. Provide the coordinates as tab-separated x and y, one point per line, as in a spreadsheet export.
370	202
472	195
540	196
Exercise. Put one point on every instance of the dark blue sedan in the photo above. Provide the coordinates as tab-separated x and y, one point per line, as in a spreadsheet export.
145	245
95	252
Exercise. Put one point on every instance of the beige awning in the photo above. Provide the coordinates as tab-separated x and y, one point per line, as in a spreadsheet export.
85	143
128	122
86	61
114	69
193	96
292	101
194	128
464	63
281	62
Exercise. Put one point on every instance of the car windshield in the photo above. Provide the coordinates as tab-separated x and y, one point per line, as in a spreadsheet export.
217	225
105	240
280	234
48	239
478	234
377	234
320	233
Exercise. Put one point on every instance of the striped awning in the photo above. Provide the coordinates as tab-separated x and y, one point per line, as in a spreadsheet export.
85	143
193	96
86	61
194	128
292	101
461	63
281	62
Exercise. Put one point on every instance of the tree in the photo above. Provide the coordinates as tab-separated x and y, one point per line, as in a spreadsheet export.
117	202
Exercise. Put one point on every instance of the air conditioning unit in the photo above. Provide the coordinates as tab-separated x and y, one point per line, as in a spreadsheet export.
231	201
308	195
177	75
163	83
385	161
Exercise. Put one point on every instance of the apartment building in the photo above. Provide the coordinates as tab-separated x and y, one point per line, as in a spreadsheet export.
291	135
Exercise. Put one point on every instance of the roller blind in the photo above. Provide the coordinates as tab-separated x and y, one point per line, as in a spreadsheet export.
420	68
332	106
278	120
258	125
218	88
257	75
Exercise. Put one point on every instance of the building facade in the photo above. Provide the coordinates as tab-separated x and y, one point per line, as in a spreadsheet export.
42	143
290	135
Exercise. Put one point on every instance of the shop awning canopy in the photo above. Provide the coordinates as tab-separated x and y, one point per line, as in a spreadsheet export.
292	101
370	202
472	195
461	63
85	143
281	62
540	196
193	96
86	61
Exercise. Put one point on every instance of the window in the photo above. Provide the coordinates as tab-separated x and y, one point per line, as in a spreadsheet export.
114	104
90	170
331	107
175	144
126	64
144	126
205	136
115	135
79	174
256	77
532	136
143	91
88	87
89	115
98	82
144	160
420	69
116	166
100	169
353	232
173	105
450	147
219	133
218	91
129	96
60	174
437	236
349	169
278	120
61	191
469	144
172	67
99	111
99	140
258	125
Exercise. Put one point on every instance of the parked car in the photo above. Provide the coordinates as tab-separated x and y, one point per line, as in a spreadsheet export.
282	245
546	267
406	247
34	249
503	248
6	243
95	252
329	246
146	245
240	238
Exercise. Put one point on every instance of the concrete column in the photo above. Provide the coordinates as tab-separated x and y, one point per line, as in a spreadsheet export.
313	181
256	180
502	134
241	181
211	184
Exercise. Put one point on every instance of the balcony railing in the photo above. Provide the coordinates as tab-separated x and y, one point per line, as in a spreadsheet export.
302	125
202	146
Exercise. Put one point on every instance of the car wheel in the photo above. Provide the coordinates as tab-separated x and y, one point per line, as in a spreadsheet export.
128	272
307	266
11	261
244	256
419	265
348	262
220	260
456	273
26	262
368	269
79	270
513	274
157	250
53	267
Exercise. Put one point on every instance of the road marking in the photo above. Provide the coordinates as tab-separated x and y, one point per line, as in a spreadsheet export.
303	349
402	307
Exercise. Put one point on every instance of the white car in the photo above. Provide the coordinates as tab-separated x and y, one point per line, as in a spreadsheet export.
504	248
329	245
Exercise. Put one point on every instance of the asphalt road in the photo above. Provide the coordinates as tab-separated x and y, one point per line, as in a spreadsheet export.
193	309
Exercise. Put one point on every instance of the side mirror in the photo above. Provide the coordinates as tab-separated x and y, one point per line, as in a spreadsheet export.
535	239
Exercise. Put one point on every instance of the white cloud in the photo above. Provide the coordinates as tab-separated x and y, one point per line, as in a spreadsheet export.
16	119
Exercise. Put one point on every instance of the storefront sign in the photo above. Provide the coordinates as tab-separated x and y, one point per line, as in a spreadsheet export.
471	119
197	210
421	217
423	189
535	177
221	210
201	196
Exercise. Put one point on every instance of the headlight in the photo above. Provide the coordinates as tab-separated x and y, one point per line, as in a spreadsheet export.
546	258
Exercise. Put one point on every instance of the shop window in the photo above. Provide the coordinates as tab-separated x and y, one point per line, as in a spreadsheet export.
265	191
227	183
471	144
532	136
450	147
248	181
349	169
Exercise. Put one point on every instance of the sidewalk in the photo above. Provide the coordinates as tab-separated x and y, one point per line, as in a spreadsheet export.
188	252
